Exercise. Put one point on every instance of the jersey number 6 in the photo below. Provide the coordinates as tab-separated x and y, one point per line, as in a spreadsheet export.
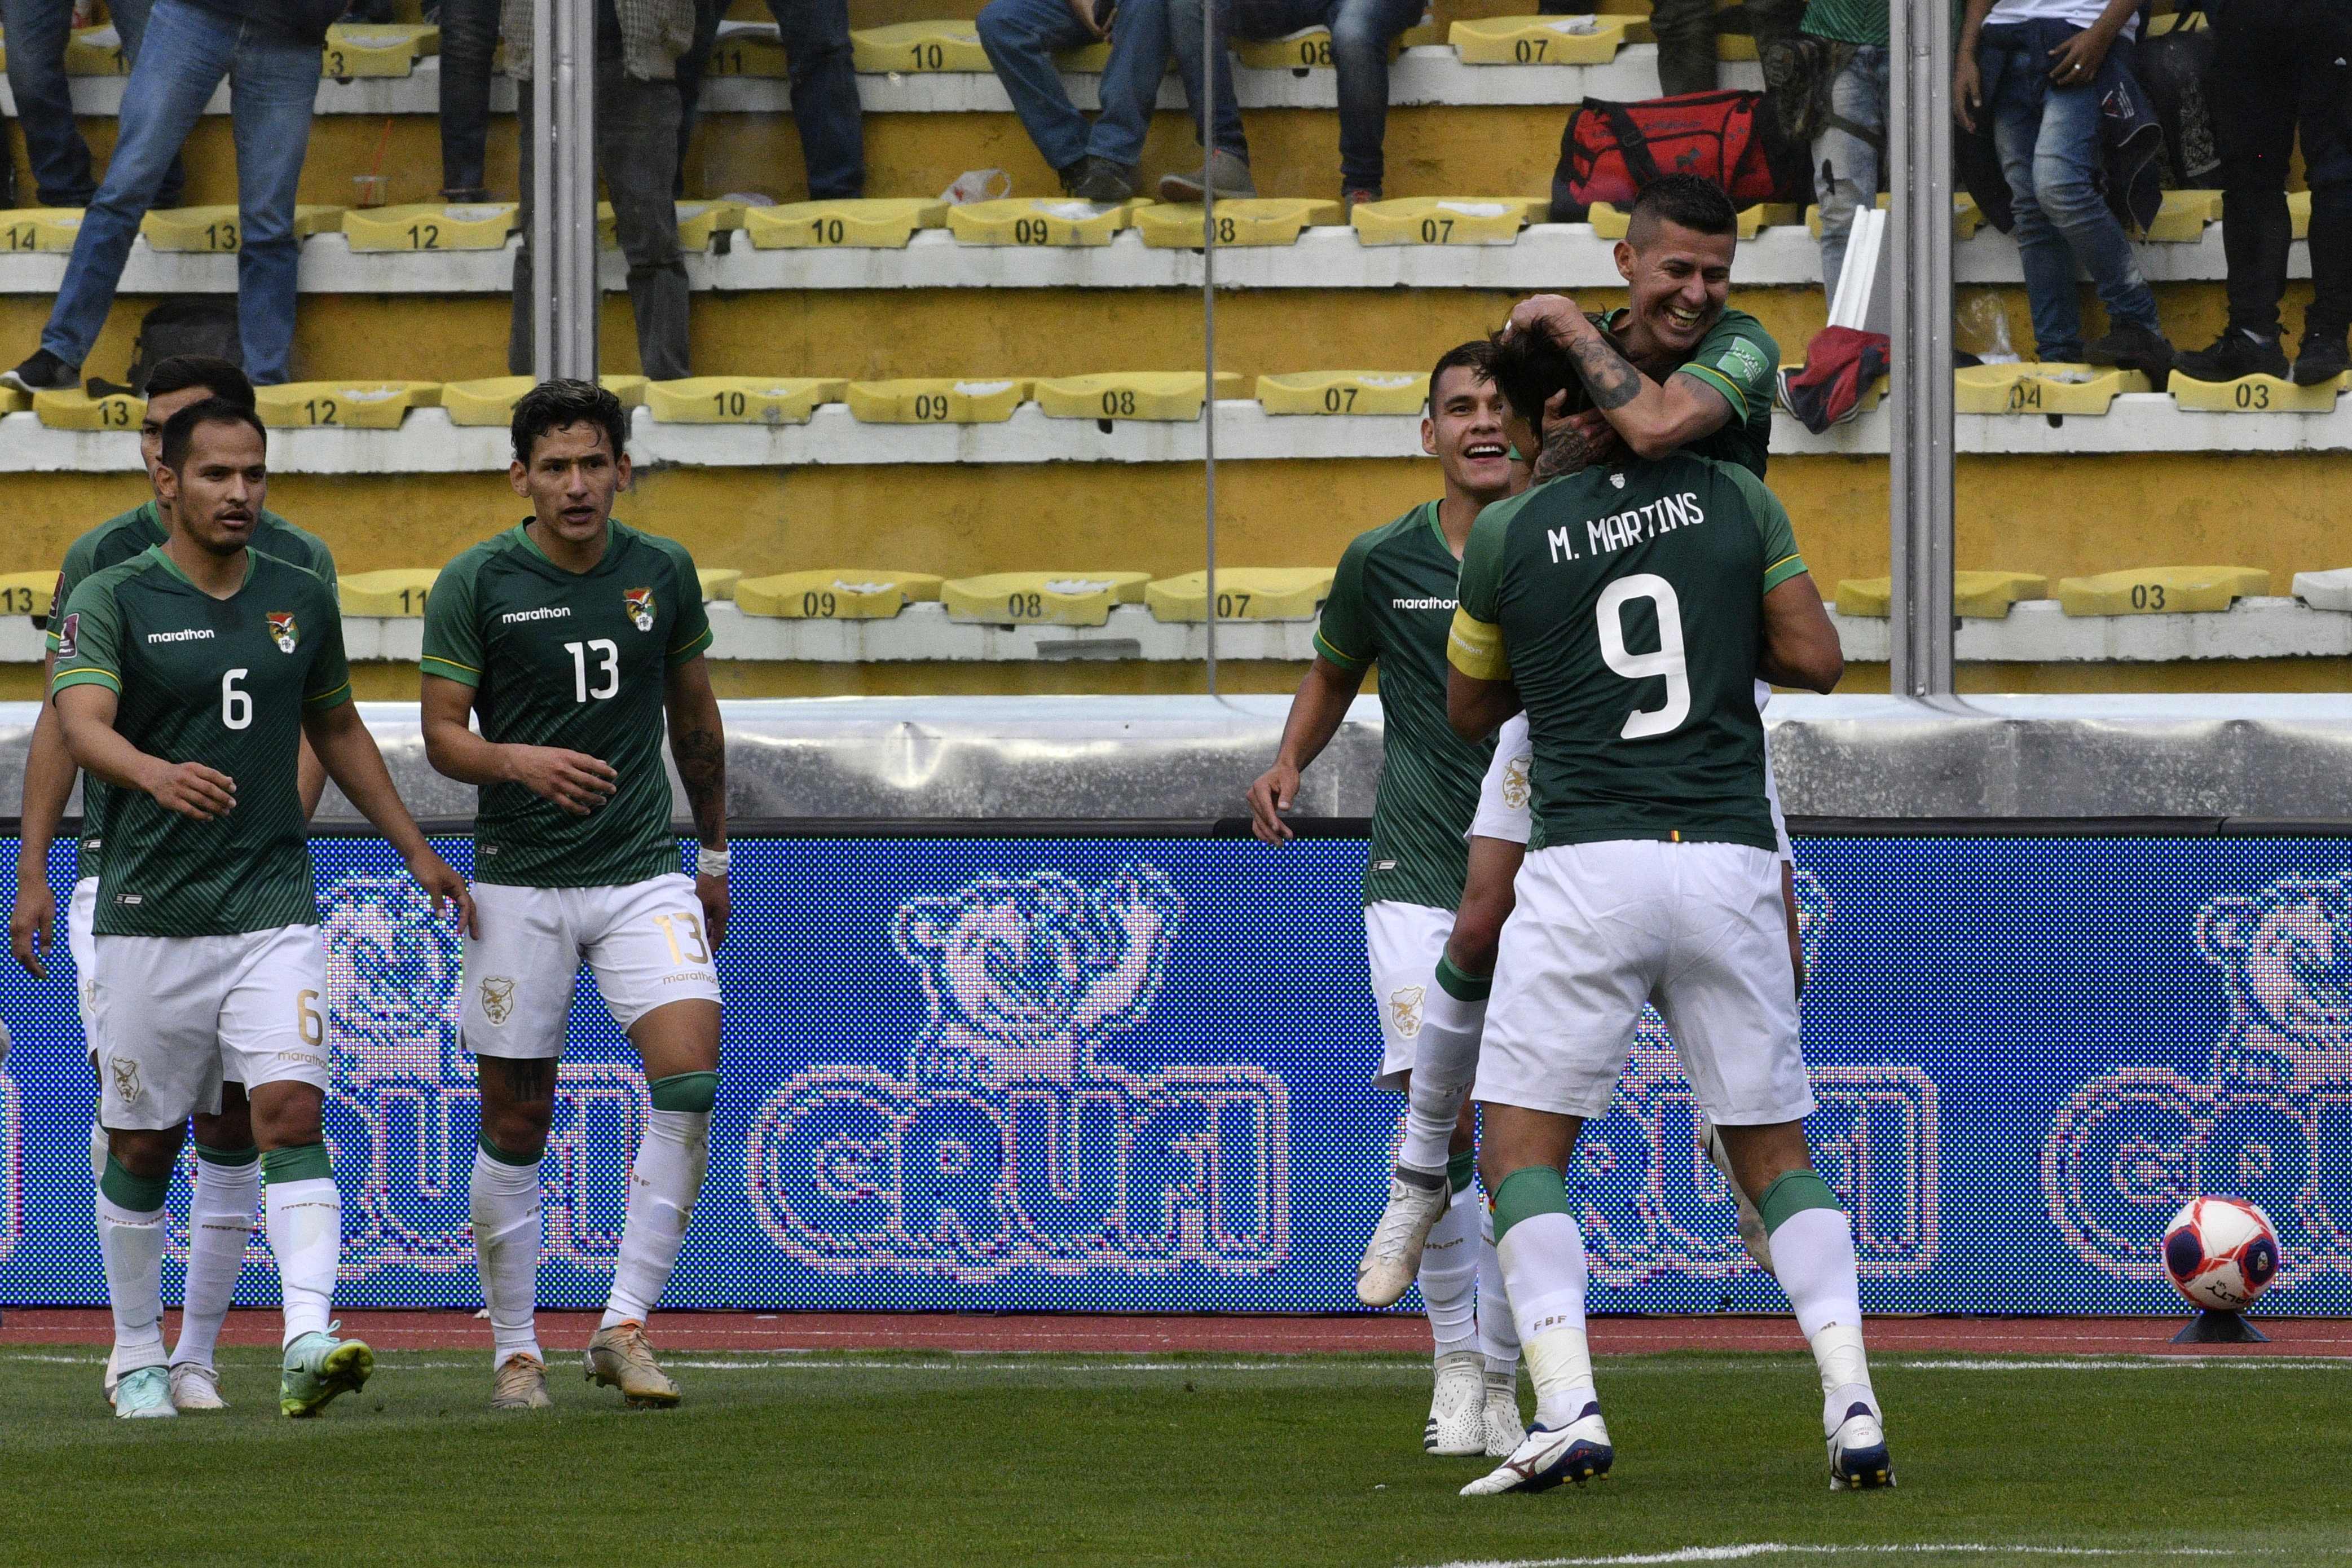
1668	661
237	705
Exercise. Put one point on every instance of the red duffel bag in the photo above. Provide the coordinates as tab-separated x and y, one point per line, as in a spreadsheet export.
1608	151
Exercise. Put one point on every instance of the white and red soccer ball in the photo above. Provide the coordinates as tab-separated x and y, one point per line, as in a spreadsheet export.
2220	1252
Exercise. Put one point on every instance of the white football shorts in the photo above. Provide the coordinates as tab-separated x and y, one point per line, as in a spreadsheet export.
645	943
1404	942
177	1014
1602	929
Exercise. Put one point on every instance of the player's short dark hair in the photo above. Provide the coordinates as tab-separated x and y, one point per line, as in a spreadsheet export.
1684	200
1476	357
1531	369
179	429
223	379
556	404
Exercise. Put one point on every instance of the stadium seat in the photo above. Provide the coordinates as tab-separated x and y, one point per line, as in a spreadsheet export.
1539	40
1610	221
1133	395
2160	590
1446	220
377	49
748	49
847	593
1261	220
2320	590
2298	214
1244	594
39	229
936	401
27	593
911	47
1966	217
741	399
2255	394
430	226
77	410
491	401
1042	598
1344	392
355	404
2182	218
1039	220
13	400
398	593
717	582
96	51
697	222
1308	48
217	227
873	224
1976	596
2041	387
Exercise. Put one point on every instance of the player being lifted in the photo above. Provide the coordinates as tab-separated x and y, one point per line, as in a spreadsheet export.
188	677
228	1168
1390	602
569	636
1628	609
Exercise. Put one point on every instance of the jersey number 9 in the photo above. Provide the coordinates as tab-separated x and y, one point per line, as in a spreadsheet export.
1668	661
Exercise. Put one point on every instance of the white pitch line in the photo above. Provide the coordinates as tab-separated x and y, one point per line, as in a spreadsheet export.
2142	1363
1745	1550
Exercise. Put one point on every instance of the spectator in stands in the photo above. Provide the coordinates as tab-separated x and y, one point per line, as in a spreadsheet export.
815	36
1686	29
2280	65
638	113
1361	34
36	32
1097	163
268	52
2042	68
1850	141
470	43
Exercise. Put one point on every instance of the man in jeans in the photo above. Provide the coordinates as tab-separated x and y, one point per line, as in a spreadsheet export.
826	111
2043	68
1097	163
268	51
638	114
1850	148
1686	29
2280	66
469	45
36	31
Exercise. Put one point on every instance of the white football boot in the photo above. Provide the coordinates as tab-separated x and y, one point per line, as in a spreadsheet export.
143	1392
1858	1460
1457	1409
1391	1259
1577	1452
196	1386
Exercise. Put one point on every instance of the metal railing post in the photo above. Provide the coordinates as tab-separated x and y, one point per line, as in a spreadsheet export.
1919	433
563	189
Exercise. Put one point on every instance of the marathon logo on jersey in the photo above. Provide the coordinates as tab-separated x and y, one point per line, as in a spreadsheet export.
185	634
639	603
69	632
1448	605
544	612
283	631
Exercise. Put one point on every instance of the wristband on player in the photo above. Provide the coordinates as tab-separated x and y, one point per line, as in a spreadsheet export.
710	862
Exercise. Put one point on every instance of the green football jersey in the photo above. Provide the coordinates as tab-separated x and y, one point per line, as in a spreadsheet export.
1739	359
1391	601
578	660
116	540
1626	604
224	682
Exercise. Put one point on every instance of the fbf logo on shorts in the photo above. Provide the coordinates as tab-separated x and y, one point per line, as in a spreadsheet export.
283	631
498	998
1405	1008
639	603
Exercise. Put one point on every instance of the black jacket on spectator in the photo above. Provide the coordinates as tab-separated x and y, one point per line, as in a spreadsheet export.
305	19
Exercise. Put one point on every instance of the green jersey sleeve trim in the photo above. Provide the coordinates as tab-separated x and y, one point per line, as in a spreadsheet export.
335	698
1344	619
453	640
1347	661
692	649
86	674
693	624
1781	570
1707	376
1781	558
450	670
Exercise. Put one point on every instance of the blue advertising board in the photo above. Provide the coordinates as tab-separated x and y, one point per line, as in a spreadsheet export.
1133	1075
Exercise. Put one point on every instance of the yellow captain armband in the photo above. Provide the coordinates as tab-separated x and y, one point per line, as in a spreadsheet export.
1476	649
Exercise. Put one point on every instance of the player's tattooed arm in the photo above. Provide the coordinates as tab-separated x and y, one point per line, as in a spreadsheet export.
1609	375
1655	417
1566	448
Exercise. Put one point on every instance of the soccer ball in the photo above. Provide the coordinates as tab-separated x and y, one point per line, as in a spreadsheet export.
2220	1252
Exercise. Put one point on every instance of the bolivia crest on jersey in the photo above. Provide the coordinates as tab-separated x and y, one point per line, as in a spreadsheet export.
283	631
640	605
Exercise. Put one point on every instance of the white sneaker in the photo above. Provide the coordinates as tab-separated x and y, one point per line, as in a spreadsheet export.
1392	1257
1457	1410
1505	1430
1858	1460
196	1386
143	1392
1751	1222
1577	1452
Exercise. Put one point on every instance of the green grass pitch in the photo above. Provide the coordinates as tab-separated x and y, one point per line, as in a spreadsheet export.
904	1459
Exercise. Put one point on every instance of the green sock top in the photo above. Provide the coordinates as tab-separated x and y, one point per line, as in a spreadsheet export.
1526	1193
140	1194
1792	1193
303	1162
1462	1169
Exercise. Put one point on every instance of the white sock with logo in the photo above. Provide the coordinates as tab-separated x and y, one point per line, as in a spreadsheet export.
1449	1273
662	1188
1498	1336
220	1224
303	1213
130	1242
506	1204
1444	1064
1543	1268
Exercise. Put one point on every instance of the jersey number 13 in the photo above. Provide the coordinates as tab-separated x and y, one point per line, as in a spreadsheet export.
606	654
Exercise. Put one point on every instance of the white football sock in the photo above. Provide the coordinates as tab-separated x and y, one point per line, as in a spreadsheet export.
506	1202
662	1188
220	1223
1444	1063
305	1221
1813	1254
1543	1269
1498	1336
1449	1275
131	1244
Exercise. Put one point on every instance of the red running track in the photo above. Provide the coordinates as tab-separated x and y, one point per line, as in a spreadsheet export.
989	1333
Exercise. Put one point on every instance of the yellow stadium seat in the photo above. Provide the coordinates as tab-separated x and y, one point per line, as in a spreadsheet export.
2253	394
1966	217
430	226
2040	388
352	405
1244	594
1446	220
399	593
96	51
76	410
218	228
849	593
1042	598
1309	48
2182	218
1174	395
717	582
748	49
2160	590
1344	392
15	400
2298	214
372	48
1539	40
1244	220
39	229
491	400
741	399
27	593
1978	595
1039	220
917	47
1089	60
885	224
697	222
936	401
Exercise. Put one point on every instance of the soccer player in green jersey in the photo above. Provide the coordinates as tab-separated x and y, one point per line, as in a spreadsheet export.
1628	608
1390	602
571	637
229	1169
185	677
